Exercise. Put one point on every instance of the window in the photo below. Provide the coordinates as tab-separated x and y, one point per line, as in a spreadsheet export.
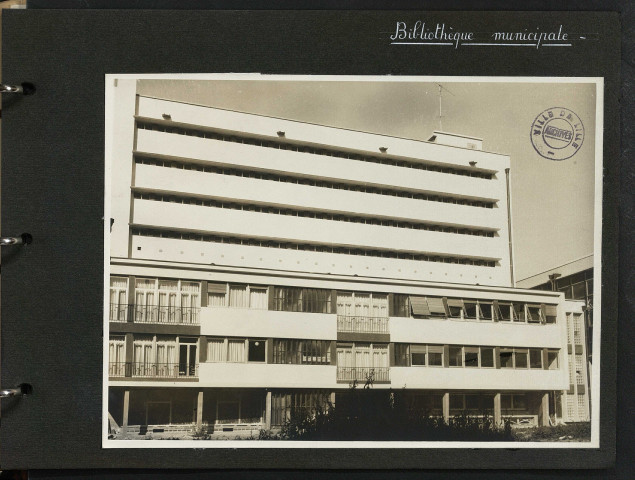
256	351
236	351
486	311
513	402
216	350
435	355
293	299
520	358
519	312
507	357
472	310
503	312
456	308
305	352
418	354
534	314
551	312
400	305
487	357
471	357
118	299
456	356
238	296
552	359
402	355
116	356
535	358
216	294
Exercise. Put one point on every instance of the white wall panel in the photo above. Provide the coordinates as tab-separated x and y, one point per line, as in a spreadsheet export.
317	166
299	229
189	182
286	260
243	322
318	134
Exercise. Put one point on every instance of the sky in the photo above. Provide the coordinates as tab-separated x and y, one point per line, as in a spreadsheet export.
552	201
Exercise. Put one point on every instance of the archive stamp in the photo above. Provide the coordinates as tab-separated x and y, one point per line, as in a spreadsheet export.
557	133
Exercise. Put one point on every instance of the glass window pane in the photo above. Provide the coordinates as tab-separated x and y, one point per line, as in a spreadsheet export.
552	359
471	358
256	351
521	358
418	358
470	310
506	357
456	356
535	358
435	359
487	357
486	311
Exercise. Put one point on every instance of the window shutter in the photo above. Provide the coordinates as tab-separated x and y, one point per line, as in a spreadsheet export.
435	305
551	310
455	302
435	348
217	287
420	306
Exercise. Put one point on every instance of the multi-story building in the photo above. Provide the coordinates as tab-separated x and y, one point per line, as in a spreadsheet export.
259	266
575	280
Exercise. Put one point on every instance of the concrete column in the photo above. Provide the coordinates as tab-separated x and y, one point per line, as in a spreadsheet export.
333	352
129	349
497	409
199	411
446	407
126	407
269	350
543	413
132	283
204	293
268	410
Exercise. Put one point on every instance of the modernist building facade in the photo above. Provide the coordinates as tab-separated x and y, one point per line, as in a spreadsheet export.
260	266
575	280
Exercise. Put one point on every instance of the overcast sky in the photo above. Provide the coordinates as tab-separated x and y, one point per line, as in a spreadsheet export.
552	201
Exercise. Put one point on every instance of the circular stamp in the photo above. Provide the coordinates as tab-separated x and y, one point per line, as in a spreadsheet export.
557	133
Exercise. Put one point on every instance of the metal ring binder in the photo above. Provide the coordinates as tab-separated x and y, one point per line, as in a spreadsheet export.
20	390
24	239
11	88
25	88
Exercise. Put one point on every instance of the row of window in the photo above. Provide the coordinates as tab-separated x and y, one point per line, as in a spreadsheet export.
475	403
167	351
407	355
262	242
248	207
170	296
331	152
300	180
468	309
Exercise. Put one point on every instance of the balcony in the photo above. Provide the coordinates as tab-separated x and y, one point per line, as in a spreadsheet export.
362	324
152	370
363	374
123	313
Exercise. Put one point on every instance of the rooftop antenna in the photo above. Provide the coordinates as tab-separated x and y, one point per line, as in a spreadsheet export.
441	88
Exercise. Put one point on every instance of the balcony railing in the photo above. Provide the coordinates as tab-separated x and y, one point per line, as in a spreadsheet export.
363	374
362	324
154	314
152	370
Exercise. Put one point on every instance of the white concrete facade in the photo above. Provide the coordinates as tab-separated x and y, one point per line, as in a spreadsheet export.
326	227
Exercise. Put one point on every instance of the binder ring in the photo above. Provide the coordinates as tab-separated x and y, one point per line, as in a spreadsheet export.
22	389
24	239
10	88
25	88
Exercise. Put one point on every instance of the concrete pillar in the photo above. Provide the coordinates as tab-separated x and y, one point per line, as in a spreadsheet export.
199	411
497	409
543	413
204	293
268	410
126	407
129	351
446	407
